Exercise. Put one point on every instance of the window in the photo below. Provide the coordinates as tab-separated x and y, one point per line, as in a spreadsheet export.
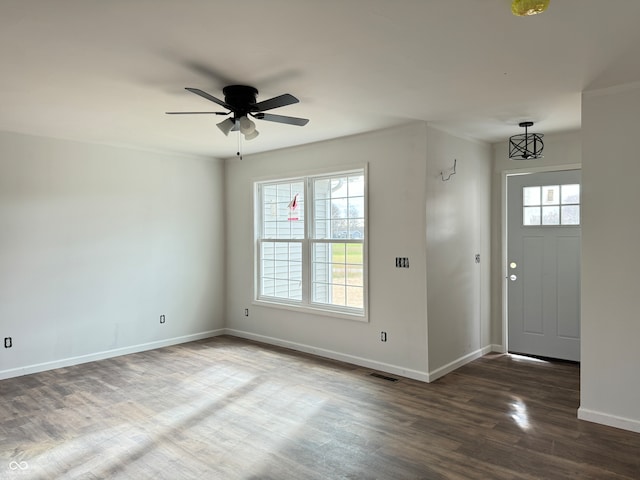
311	242
551	205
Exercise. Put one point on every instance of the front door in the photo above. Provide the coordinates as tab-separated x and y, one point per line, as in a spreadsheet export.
543	264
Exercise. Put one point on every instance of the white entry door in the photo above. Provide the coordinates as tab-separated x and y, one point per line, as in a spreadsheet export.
543	264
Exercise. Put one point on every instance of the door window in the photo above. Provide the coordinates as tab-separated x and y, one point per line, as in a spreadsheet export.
551	205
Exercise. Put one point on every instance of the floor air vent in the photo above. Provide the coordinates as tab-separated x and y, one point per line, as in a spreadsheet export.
383	377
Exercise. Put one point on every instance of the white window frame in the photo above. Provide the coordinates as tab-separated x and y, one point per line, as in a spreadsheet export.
306	304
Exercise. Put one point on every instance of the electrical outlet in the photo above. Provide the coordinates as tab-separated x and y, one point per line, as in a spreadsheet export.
246	312
162	319
383	336
477	258
8	342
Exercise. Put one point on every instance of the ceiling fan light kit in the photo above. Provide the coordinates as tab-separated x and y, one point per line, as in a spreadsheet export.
523	8
526	146
247	128
252	135
226	125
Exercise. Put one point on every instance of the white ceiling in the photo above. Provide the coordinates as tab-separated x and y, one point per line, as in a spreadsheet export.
106	71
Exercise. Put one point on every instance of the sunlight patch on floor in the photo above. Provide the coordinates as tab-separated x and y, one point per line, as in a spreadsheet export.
525	358
519	413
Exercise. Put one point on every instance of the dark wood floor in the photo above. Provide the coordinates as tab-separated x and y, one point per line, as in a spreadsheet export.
227	408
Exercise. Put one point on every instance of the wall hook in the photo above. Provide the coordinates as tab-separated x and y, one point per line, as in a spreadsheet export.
451	172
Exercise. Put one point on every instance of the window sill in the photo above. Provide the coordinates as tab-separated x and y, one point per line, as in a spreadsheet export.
357	317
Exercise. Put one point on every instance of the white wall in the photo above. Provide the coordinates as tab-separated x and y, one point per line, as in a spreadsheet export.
397	297
405	194
610	386
97	242
561	151
458	227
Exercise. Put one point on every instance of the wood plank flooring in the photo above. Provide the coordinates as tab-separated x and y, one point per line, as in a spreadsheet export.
226	408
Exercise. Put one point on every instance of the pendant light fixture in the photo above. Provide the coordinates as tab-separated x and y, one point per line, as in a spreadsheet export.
527	146
522	8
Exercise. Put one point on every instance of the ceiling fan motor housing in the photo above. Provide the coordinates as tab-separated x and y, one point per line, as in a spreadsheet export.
241	97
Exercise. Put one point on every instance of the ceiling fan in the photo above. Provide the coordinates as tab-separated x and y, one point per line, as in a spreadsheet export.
240	101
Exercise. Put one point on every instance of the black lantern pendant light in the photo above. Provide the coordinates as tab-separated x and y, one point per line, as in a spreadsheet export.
527	146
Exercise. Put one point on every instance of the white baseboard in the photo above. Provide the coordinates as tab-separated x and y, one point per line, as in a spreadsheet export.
498	348
609	420
92	357
352	359
450	367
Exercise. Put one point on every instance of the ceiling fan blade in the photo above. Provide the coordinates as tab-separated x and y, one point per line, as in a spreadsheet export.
197	113
203	94
300	122
275	102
